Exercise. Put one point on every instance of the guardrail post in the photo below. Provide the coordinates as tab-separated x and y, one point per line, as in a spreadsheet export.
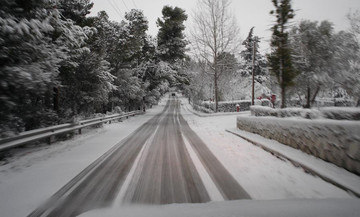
51	139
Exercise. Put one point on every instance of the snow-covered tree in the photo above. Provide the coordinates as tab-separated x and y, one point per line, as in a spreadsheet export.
352	83
56	62
313	50
247	56
354	20
32	47
86	85
279	59
346	73
74	10
228	66
171	38
125	52
215	32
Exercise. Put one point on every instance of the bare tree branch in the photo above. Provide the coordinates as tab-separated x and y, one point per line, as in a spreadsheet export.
215	32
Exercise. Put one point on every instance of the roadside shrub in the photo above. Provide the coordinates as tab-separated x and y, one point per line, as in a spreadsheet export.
341	113
335	113
230	106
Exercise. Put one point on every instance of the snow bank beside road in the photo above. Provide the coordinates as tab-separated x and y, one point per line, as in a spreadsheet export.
335	113
334	141
316	166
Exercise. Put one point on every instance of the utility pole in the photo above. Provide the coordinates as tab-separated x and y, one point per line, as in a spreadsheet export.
253	72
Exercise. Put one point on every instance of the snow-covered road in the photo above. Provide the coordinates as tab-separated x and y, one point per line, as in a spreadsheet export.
223	164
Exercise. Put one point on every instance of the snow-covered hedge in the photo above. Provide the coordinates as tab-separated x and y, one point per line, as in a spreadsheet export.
230	106
325	102
341	113
287	112
202	109
334	141
337	113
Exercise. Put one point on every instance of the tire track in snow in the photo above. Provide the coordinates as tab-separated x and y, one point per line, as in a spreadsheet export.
169	175
100	182
225	182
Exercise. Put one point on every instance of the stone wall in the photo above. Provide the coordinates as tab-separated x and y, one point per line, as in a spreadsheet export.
230	106
334	141
324	102
336	113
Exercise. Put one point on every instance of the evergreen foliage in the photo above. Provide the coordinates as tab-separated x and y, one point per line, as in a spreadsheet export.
171	39
279	59
313	49
247	56
57	63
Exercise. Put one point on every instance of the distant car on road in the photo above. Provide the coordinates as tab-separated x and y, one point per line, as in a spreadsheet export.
173	94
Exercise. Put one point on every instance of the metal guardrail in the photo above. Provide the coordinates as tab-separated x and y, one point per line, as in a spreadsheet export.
50	132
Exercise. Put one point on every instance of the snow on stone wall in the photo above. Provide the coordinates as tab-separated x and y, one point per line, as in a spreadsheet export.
230	106
341	113
334	141
336	113
324	102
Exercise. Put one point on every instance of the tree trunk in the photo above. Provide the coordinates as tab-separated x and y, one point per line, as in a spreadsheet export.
315	94
308	98
283	97
216	92
56	99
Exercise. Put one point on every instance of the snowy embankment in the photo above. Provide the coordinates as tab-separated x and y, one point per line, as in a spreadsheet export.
231	106
327	171
335	141
334	113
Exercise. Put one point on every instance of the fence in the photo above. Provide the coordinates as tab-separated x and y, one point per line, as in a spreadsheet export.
50	132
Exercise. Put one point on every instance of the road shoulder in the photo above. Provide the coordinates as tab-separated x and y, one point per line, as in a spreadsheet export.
327	171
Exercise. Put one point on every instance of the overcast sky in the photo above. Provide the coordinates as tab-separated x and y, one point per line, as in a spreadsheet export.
248	12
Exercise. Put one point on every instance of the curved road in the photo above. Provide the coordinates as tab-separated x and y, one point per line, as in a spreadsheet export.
150	166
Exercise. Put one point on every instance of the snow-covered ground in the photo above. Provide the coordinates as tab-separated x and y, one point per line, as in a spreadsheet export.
277	187
244	208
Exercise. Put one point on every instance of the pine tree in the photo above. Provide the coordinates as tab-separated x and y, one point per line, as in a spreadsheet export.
280	57
74	10
171	39
29	62
172	45
247	56
125	54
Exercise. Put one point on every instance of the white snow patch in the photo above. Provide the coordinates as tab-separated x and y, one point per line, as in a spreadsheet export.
242	208
210	186
329	170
